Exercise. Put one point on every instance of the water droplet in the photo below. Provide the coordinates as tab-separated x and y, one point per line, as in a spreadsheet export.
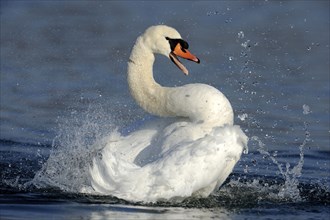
246	44
229	20
275	154
246	169
243	116
240	34
306	109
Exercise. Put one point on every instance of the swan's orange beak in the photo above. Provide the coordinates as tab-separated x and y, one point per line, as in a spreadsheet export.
179	51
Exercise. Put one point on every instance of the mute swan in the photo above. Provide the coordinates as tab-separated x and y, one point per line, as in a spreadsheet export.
190	154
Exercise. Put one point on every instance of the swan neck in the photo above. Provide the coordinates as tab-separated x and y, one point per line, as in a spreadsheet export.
198	102
144	89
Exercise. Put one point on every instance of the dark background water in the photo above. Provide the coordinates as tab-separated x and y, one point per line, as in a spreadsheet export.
63	74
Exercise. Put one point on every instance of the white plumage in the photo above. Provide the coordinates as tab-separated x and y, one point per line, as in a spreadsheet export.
190	155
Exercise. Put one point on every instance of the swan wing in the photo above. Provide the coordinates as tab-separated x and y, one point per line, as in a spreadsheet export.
191	167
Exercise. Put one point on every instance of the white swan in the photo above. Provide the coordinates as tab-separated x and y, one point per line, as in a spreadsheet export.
190	155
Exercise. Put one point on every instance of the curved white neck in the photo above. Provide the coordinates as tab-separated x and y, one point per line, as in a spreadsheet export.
199	102
145	90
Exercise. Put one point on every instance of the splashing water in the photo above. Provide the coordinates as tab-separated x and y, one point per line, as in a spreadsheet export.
82	136
289	190
79	139
306	109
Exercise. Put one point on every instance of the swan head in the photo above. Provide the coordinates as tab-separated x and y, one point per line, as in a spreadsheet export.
165	40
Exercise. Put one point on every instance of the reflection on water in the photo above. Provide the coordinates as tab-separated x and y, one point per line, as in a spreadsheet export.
159	213
103	211
236	199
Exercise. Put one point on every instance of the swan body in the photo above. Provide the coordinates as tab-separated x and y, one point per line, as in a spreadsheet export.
189	154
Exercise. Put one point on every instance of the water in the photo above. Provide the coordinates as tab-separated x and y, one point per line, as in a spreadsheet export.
63	88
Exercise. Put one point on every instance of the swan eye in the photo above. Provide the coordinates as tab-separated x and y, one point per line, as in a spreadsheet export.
173	42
